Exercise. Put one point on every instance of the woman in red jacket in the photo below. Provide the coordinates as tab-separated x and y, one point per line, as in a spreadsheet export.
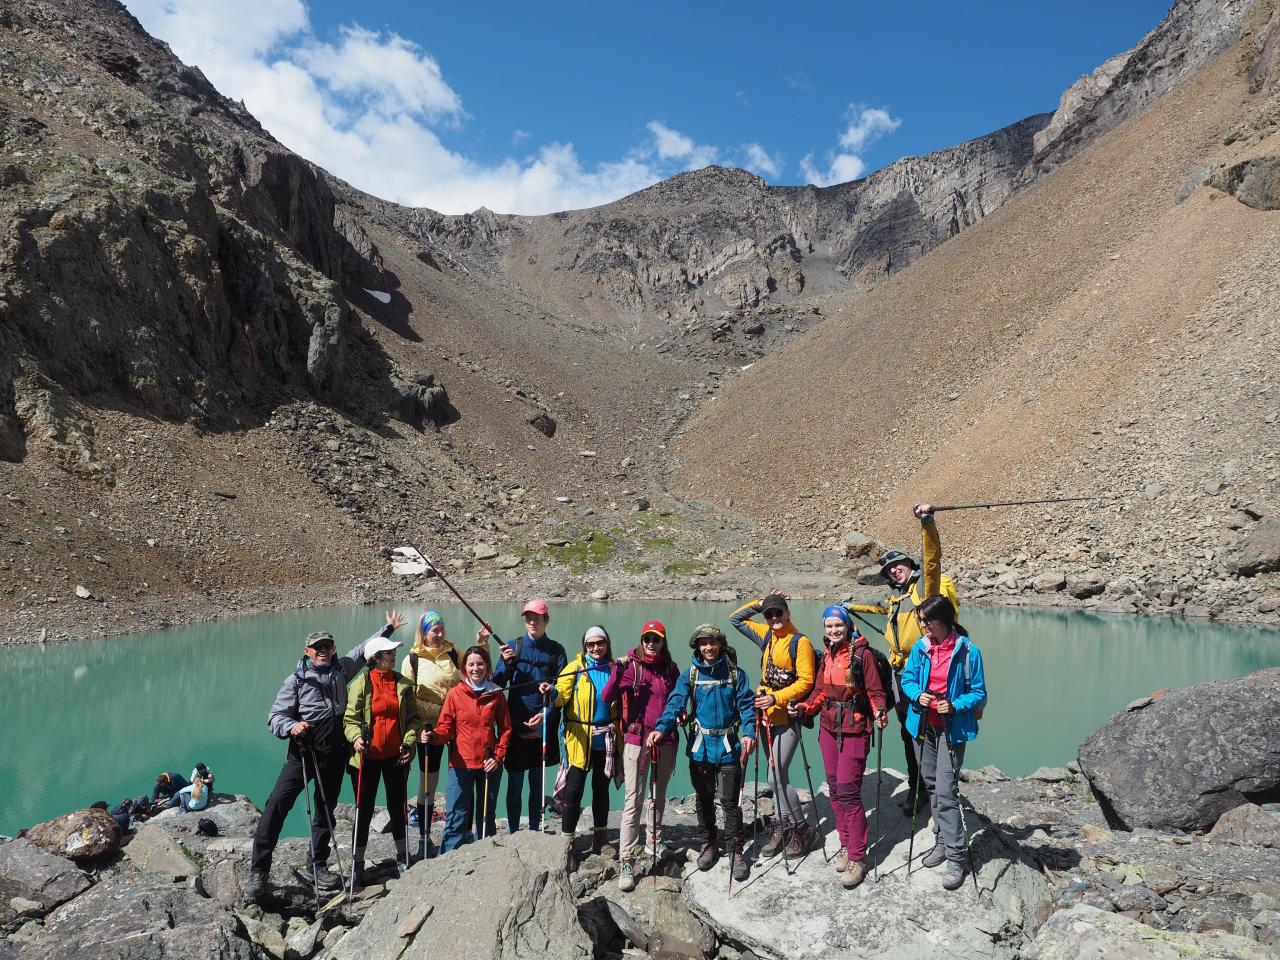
848	693
475	723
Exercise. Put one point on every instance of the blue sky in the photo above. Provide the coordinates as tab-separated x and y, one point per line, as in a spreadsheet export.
531	108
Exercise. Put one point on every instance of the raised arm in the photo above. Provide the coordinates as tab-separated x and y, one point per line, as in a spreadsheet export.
931	577
741	620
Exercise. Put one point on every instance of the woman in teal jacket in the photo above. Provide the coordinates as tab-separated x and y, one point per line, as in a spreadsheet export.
947	689
716	697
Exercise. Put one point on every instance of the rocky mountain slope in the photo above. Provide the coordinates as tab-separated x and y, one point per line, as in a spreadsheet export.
1110	331
228	380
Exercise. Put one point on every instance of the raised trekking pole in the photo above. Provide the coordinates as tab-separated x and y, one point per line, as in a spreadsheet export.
328	811
865	621
813	797
1015	503
311	836
964	828
408	561
875	866
355	821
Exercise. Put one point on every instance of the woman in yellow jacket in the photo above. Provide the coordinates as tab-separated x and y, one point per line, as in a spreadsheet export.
382	723
786	674
909	586
432	666
592	735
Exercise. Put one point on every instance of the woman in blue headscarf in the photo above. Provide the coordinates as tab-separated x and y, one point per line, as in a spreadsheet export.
432	666
848	694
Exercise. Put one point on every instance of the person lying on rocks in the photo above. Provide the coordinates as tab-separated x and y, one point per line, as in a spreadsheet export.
714	698
849	697
786	677
946	687
909	583
476	724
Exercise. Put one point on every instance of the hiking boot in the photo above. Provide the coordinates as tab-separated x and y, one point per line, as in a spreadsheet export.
256	888
777	840
799	842
326	880
627	879
935	857
953	878
600	844
708	855
854	873
738	863
840	860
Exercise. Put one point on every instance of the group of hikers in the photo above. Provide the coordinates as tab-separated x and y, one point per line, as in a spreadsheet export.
617	721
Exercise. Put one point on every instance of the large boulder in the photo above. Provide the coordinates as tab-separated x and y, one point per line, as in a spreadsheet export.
1260	551
505	898
155	850
29	873
1087	933
81	835
143	918
804	915
1183	759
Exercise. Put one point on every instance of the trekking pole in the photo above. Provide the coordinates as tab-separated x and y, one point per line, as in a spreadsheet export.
955	770
755	811
355	821
422	801
770	766
484	808
865	621
742	782
311	835
875	866
813	797
542	784
328	811
415	562
915	797
653	811
1015	503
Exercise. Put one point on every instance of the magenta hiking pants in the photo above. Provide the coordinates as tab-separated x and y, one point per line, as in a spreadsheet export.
845	767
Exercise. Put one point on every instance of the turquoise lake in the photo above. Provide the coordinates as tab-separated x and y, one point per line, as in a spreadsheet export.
98	720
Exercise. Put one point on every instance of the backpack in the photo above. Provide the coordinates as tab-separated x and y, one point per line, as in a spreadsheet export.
885	671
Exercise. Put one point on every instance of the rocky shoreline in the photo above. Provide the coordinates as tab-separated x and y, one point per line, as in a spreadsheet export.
1057	878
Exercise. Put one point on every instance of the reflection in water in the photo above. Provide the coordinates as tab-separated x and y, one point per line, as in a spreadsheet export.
99	720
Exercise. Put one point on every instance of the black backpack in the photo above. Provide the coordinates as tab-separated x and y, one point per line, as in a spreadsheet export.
886	680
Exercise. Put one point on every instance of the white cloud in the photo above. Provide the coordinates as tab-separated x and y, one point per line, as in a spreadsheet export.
674	145
866	126
371	108
759	160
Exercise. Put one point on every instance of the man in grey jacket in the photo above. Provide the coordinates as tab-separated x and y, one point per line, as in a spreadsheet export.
308	713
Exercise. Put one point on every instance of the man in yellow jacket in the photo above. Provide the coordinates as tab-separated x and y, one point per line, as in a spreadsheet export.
909	585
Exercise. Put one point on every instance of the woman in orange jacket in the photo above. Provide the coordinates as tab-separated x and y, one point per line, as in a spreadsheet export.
474	721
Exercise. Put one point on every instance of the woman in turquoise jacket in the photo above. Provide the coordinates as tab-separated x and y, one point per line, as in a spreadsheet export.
947	689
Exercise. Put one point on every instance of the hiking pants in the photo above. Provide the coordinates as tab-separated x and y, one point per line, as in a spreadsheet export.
575	785
391	773
708	779
908	744
465	806
944	792
524	762
636	772
785	741
289	785
845	764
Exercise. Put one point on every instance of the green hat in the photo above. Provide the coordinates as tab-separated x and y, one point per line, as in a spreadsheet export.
895	556
707	631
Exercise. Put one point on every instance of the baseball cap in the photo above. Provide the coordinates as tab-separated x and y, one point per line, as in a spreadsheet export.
536	606
375	646
654	626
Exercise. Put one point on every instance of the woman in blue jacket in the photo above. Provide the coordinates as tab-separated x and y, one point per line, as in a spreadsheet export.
717	699
945	684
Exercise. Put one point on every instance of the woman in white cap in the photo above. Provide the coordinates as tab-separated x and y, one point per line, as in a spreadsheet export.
591	735
382	722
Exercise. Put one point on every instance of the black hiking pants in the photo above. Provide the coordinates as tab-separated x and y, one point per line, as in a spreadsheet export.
575	786
909	745
289	785
391	773
710	779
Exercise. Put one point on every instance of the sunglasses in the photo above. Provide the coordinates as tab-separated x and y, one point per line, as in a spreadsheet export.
775	614
651	638
322	648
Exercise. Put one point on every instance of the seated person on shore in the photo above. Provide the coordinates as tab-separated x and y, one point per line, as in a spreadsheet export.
195	796
165	793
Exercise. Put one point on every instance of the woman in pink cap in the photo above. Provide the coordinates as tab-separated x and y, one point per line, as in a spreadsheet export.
533	659
643	680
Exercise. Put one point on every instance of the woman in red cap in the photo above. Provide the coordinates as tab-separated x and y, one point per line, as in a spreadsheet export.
643	680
